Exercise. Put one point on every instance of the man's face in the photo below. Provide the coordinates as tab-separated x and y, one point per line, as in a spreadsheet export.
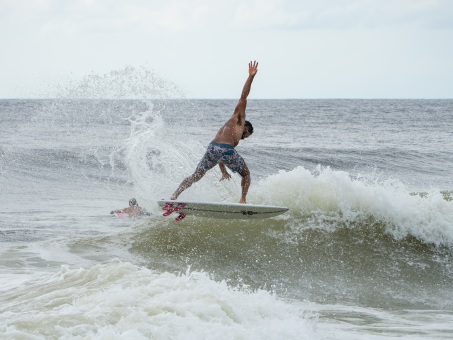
246	133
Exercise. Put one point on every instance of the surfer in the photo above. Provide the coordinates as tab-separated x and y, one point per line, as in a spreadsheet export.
222	151
133	210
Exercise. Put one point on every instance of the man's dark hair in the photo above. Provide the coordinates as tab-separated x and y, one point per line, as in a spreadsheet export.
249	126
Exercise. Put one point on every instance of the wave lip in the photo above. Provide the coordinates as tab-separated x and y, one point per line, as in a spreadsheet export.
335	195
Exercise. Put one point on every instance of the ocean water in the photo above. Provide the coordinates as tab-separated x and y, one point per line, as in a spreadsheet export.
365	251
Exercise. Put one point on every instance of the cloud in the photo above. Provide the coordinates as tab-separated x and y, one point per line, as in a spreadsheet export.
371	14
352	14
327	43
179	15
53	16
268	13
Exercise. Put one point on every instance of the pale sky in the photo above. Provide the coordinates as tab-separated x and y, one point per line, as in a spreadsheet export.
305	49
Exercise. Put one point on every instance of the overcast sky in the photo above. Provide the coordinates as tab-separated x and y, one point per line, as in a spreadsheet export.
305	49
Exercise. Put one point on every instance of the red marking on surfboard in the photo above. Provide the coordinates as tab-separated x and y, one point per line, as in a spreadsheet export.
179	206
167	206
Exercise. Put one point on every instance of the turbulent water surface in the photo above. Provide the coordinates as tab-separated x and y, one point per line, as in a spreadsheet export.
365	251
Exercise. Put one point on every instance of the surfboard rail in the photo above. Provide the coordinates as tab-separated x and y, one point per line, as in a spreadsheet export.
220	209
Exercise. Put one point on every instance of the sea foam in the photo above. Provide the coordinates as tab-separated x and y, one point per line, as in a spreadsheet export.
119	300
427	217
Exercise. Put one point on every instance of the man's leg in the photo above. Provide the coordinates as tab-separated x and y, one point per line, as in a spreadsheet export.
187	182
245	183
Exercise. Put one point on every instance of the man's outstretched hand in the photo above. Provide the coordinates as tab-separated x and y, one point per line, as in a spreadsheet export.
253	68
225	175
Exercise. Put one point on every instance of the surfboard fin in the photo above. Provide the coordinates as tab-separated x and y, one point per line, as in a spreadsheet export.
180	217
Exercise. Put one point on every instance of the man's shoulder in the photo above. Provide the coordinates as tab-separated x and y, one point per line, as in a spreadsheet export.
235	121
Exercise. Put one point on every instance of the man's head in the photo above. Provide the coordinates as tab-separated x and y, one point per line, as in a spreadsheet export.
248	130
132	202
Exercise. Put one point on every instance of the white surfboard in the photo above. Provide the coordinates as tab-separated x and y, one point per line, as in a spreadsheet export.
219	210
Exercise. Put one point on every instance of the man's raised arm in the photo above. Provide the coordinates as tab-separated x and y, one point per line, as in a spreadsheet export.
240	108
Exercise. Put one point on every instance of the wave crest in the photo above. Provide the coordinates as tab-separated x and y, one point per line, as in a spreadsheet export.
325	195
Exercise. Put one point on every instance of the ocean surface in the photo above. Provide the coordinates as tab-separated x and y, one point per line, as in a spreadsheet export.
365	251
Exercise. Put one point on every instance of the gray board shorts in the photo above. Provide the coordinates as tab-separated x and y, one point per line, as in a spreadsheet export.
223	153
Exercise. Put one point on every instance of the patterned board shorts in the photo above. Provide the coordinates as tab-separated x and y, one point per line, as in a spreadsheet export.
224	153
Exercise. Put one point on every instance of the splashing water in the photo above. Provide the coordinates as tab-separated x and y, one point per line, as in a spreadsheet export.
126	83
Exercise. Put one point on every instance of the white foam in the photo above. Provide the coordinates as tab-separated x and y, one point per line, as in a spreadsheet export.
122	301
336	193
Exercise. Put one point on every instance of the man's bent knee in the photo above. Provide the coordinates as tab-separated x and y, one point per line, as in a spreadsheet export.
245	172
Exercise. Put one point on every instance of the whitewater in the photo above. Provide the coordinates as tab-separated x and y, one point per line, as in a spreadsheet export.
364	252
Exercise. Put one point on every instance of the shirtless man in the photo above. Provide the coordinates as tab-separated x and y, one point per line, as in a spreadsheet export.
133	210
221	150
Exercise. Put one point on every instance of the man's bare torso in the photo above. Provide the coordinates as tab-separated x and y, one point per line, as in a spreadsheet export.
230	133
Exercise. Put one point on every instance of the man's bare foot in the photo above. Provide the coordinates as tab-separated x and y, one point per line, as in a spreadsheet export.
173	197
242	201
